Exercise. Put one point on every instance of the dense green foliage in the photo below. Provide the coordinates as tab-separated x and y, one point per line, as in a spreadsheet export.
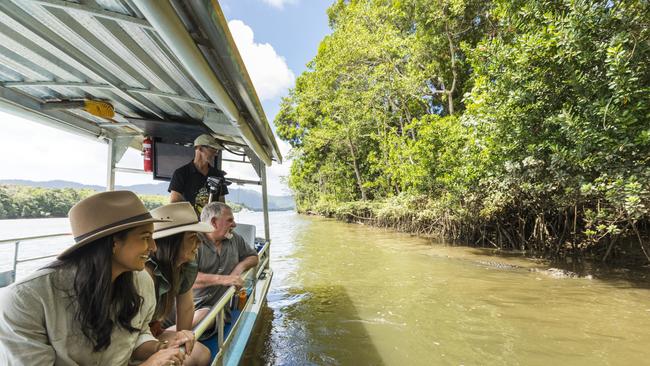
22	202
518	124
18	202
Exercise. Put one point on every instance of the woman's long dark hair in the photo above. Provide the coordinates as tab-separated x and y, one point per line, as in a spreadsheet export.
167	256
96	295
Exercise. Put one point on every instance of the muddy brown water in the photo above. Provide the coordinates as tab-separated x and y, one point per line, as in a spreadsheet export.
347	294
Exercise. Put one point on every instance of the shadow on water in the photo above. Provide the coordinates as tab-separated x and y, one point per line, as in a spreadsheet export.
321	327
259	346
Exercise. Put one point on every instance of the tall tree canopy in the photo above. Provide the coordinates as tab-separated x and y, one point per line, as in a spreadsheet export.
524	119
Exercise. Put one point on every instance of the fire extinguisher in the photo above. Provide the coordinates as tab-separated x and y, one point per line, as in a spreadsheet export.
148	154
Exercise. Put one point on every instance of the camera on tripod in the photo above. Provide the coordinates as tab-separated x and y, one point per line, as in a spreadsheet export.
217	186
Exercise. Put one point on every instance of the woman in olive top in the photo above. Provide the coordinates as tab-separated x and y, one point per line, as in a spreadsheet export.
93	305
173	269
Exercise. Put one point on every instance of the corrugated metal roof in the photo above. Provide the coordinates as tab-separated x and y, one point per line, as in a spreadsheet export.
55	50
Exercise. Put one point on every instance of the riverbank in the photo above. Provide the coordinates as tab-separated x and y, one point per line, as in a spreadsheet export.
23	202
562	239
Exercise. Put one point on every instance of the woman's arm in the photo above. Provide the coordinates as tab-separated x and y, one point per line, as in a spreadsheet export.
23	330
184	311
160	356
146	349
146	344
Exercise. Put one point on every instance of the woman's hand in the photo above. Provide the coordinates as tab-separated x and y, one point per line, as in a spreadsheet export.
183	338
166	357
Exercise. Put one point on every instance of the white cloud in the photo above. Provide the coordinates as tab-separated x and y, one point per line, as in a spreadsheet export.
279	3
34	151
276	174
269	71
272	78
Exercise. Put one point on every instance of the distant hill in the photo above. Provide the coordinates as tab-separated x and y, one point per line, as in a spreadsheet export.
246	197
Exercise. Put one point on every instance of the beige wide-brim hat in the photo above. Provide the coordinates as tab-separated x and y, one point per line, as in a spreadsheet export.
104	214
207	140
183	219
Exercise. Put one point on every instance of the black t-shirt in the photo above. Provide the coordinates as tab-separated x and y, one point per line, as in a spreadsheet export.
189	182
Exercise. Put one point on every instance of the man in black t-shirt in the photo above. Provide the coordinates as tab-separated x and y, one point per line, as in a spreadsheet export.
189	182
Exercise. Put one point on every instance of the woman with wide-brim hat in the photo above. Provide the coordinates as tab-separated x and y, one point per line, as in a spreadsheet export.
174	269
93	305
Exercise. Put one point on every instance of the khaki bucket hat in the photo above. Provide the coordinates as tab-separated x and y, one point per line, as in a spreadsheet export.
104	214
183	219
208	140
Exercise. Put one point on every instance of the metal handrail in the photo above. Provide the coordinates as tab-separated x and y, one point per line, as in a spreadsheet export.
264	249
263	255
25	238
217	309
262	267
209	319
35	258
17	241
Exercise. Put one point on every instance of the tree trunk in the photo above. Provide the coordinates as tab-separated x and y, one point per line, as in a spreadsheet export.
454	73
356	169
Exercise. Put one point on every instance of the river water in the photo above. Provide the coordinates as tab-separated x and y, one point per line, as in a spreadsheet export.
347	294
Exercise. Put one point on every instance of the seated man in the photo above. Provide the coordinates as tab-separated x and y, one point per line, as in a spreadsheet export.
189	182
223	257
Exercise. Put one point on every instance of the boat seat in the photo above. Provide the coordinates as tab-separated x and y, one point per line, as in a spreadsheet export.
247	232
7	278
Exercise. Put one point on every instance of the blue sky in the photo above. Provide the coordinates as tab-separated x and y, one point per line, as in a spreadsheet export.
294	30
276	39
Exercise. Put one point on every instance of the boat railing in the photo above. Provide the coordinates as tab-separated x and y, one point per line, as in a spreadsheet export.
263	255
8	277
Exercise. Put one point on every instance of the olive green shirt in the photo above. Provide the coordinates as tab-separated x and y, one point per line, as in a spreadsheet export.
163	286
37	325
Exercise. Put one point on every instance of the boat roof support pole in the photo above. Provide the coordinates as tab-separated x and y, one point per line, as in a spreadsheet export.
110	173
265	203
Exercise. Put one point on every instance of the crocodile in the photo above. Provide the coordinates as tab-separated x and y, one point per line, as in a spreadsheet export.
497	265
550	272
560	273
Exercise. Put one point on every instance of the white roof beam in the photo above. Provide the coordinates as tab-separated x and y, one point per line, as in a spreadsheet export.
170	28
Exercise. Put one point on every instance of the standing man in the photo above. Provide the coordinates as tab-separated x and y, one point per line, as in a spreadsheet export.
189	182
223	257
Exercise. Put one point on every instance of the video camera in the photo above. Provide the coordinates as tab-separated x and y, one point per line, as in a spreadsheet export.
217	185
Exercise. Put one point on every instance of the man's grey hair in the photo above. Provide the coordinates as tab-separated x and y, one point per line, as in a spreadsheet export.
213	209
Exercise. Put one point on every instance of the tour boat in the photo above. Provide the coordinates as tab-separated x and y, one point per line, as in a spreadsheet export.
158	72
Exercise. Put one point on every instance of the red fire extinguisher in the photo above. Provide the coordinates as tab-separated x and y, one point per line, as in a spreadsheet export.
148	154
